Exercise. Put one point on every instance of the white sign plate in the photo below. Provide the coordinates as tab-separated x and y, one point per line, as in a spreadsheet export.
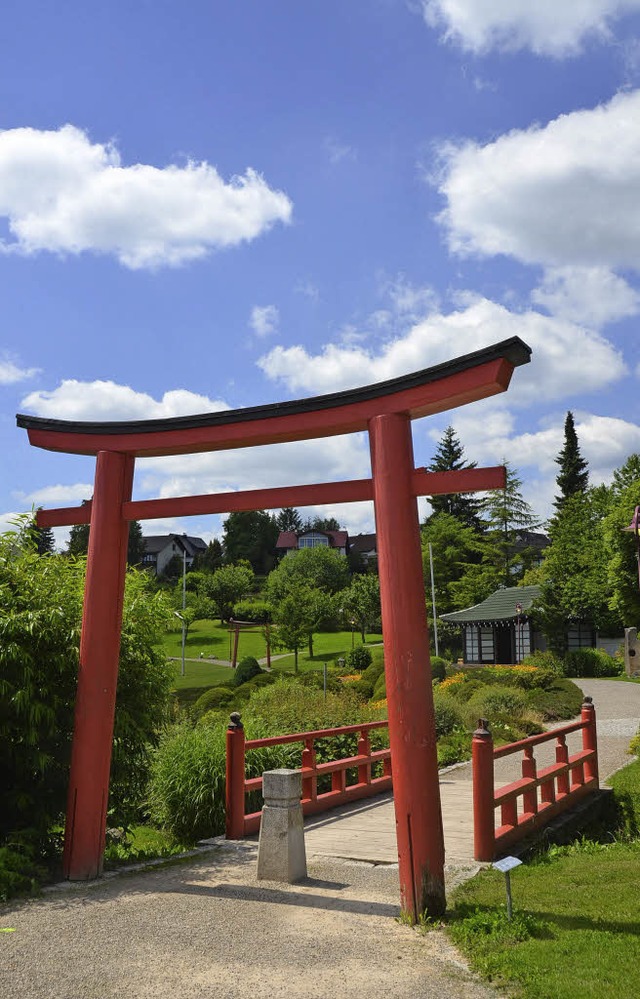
506	864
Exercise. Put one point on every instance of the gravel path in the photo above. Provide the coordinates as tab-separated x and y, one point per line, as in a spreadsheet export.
209	930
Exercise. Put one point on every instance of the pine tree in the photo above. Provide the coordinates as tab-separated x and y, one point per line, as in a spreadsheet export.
573	477
507	512
44	539
136	545
449	456
289	519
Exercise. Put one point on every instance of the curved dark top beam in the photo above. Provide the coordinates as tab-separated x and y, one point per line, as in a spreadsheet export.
444	386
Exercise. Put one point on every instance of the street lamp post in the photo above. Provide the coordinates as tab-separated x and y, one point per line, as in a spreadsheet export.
518	633
184	636
353	634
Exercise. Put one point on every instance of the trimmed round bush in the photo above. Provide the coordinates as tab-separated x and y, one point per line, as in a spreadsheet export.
245	670
255	611
438	668
358	659
261	679
498	704
212	700
447	715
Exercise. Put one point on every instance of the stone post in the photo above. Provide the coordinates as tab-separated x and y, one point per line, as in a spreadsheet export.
281	852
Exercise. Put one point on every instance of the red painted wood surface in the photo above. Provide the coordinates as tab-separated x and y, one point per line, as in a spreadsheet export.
98	671
412	733
424	483
239	824
531	802
438	396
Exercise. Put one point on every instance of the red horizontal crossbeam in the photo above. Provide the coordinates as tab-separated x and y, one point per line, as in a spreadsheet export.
423	393
425	483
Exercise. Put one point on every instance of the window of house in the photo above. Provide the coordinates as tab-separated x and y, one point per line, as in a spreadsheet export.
580	636
471	645
313	540
487	648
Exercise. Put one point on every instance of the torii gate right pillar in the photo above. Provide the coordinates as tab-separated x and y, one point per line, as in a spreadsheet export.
412	735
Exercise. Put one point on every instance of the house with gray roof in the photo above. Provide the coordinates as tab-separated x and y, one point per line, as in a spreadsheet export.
161	548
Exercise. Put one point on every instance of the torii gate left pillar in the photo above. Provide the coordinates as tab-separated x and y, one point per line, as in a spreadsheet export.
385	410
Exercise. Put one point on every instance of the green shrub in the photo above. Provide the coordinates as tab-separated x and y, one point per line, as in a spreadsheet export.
380	689
501	705
39	634
19	872
212	700
447	714
358	659
261	679
438	668
374	671
187	785
245	670
561	701
545	660
255	611
454	748
591	663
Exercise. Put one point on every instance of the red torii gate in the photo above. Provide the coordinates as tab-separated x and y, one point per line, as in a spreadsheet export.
385	411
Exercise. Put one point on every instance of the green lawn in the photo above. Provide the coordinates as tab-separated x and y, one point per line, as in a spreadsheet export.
212	640
576	927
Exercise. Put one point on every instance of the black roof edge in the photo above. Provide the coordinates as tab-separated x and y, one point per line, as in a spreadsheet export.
514	350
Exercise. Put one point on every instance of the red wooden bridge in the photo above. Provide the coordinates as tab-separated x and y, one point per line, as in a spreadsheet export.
481	821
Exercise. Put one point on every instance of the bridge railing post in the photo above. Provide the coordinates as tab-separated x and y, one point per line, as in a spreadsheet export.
590	739
483	792
235	776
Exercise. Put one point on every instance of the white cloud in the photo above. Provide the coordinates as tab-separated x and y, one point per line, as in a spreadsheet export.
547	27
409	299
106	400
264	319
594	296
62	193
10	372
489	435
57	495
338	151
332	459
565	194
565	356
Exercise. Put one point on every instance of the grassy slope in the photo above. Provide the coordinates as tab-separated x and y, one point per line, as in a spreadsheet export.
576	928
212	639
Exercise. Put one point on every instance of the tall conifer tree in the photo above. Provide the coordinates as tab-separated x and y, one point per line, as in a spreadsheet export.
573	477
449	456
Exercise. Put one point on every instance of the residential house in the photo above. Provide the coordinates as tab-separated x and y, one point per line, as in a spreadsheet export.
365	546
161	548
292	541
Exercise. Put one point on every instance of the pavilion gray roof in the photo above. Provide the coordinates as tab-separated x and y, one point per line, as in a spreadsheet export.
500	606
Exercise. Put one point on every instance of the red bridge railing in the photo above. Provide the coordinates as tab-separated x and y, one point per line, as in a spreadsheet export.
539	795
240	824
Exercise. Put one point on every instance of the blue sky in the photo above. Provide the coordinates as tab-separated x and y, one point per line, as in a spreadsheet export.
209	205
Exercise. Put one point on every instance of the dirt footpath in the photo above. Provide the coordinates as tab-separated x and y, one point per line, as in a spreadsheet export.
208	930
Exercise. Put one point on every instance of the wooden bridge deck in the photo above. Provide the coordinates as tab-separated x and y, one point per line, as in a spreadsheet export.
366	829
